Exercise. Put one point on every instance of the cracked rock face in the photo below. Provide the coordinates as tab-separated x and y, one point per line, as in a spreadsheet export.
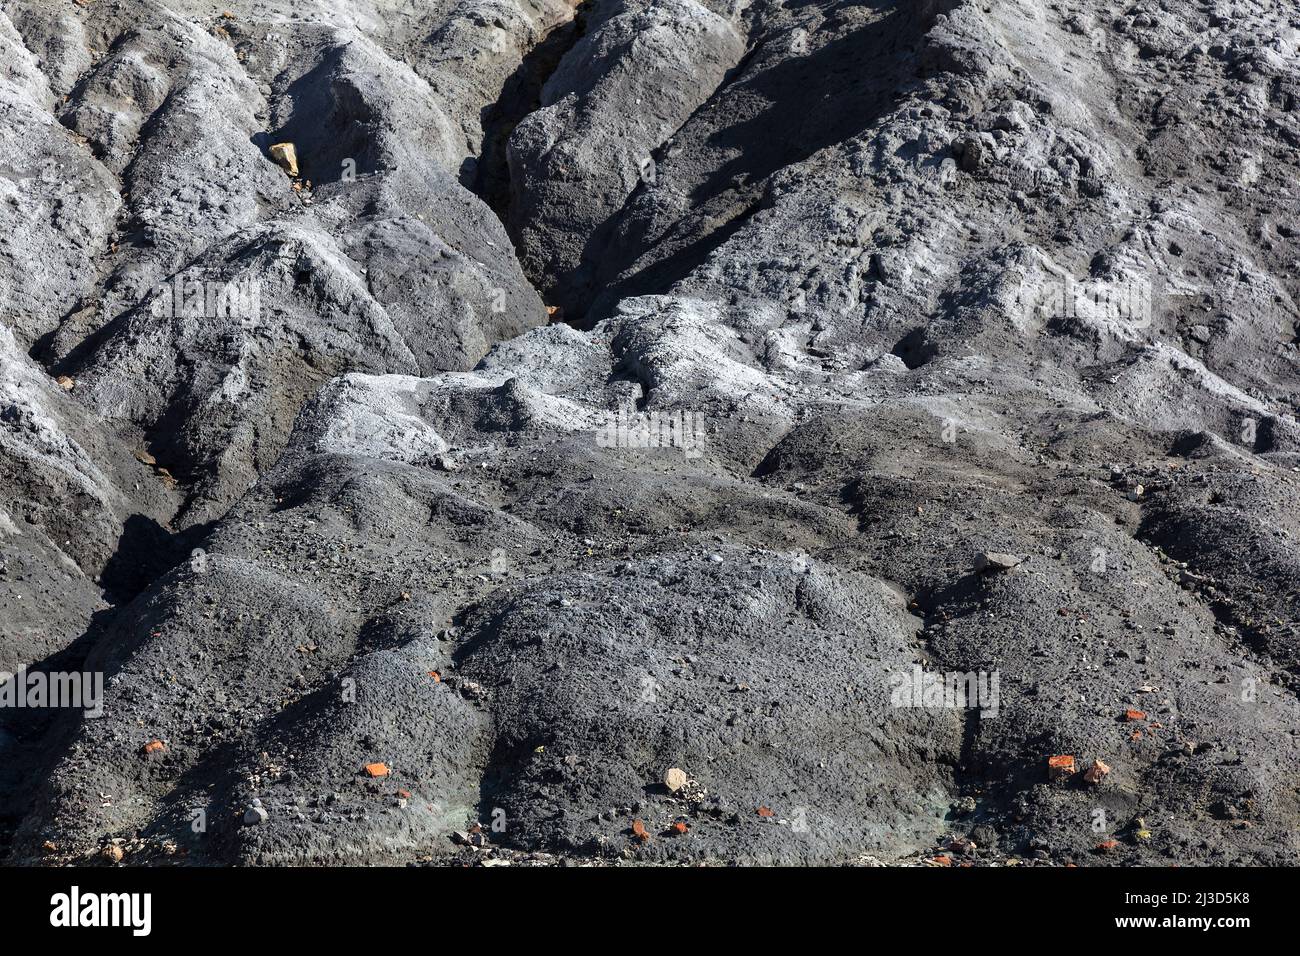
849	406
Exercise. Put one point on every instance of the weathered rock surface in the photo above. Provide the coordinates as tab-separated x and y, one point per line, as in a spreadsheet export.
75	501
641	70
856	294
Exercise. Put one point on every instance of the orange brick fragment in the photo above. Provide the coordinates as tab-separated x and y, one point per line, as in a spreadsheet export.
1105	845
1132	714
154	747
942	860
1060	766
679	827
437	678
766	812
377	769
640	832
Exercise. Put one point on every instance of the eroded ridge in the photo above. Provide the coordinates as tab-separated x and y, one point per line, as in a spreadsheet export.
650	430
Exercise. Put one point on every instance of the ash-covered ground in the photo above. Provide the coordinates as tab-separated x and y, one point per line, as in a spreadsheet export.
670	431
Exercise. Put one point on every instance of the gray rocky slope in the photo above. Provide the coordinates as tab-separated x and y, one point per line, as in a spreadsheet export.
386	511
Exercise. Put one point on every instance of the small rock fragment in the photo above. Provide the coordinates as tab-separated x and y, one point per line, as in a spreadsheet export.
963	846
254	816
675	779
1060	767
1096	772
993	562
286	154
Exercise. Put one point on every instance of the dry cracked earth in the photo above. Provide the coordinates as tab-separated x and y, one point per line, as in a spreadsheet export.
599	391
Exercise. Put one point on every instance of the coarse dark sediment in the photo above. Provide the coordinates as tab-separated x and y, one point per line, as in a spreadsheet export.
636	385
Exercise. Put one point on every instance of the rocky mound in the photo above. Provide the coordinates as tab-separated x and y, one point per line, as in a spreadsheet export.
660	430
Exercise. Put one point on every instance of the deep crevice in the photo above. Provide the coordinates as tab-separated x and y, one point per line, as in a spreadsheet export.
489	176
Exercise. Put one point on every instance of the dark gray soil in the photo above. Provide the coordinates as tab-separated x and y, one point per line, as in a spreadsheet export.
387	516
